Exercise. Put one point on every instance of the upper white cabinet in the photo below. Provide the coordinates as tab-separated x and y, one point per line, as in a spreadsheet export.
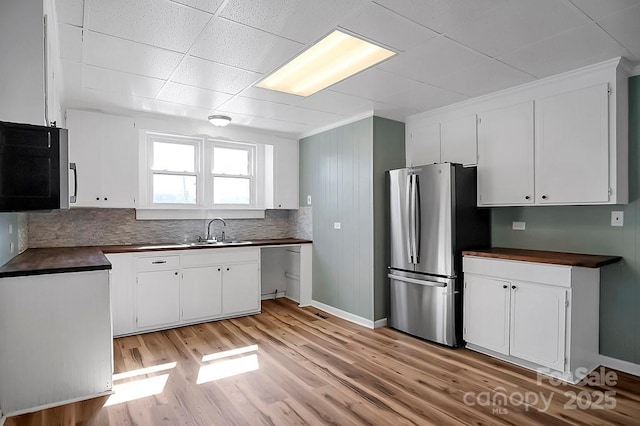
451	140
29	62
572	146
505	157
105	153
285	176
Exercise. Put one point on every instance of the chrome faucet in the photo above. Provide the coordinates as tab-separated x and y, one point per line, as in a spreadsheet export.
209	236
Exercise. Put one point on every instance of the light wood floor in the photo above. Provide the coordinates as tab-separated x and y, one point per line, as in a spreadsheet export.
294	366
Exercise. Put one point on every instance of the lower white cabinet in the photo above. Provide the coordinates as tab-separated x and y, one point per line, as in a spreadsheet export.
540	316
201	292
157	298
240	288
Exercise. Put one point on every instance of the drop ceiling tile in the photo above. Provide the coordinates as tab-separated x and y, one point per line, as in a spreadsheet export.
598	9
488	76
374	84
70	11
440	15
128	56
423	97
70	38
193	96
281	126
120	82
312	117
210	75
169	108
384	26
160	23
271	95
434	62
234	44
625	28
517	24
570	50
300	20
394	112
210	6
337	103
254	107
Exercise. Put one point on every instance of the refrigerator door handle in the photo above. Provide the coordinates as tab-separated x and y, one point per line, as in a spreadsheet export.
417	219
414	281
411	212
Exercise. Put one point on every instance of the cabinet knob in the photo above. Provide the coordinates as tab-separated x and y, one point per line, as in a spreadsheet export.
97	198
513	287
544	197
279	205
105	198
505	286
227	269
219	269
526	197
175	273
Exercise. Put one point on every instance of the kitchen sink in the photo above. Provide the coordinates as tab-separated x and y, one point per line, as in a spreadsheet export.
219	243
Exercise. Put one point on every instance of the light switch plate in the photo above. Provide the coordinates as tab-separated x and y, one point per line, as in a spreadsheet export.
308	200
337	225
617	218
518	226
10	228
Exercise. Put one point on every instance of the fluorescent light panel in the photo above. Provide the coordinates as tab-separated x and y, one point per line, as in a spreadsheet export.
332	59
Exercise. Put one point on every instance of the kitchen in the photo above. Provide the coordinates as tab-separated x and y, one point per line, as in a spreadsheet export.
122	73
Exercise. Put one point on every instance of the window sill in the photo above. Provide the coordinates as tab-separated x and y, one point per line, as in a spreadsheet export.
168	214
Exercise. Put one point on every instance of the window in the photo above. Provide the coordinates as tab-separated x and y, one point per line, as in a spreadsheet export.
176	176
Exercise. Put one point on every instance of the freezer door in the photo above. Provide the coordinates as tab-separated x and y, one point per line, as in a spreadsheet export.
426	307
434	251
399	197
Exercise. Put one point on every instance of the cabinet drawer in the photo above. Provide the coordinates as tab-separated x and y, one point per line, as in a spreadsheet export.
542	273
219	256
157	263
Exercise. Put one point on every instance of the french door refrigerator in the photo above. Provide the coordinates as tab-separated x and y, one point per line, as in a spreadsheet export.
433	217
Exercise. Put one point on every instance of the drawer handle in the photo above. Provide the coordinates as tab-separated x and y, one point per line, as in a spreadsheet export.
157	262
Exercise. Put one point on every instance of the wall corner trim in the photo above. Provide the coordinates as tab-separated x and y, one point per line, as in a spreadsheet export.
2	418
620	365
380	323
348	316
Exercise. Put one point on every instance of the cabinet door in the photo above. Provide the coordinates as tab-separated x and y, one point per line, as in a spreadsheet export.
458	141
85	153
285	175
119	162
486	313
538	320
122	277
157	298
201	292
505	156
423	143
240	288
572	147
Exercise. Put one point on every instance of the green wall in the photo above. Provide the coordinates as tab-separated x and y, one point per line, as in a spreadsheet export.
587	229
343	171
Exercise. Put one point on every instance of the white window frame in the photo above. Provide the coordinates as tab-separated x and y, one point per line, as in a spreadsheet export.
251	149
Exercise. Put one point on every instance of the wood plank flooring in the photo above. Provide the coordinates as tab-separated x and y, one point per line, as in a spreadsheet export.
293	366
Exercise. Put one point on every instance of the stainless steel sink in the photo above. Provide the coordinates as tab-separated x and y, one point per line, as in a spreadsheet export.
219	243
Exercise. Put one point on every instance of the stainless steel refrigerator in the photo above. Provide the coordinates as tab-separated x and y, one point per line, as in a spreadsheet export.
433	217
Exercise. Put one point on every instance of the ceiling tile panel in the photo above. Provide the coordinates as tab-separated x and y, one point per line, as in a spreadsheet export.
570	50
383	26
301	20
625	28
271	95
120	82
337	103
394	112
210	75
210	6
423	97
234	44
374	84
257	108
70	42
193	96
440	15
434	62
308	116
129	56
70	11
160	23
598	9
518	23
281	126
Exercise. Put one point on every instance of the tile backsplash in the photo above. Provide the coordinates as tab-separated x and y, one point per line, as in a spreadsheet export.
86	227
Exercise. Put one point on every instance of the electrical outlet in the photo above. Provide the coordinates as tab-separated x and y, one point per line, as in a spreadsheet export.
518	226
337	225
11	247
308	200
617	218
10	228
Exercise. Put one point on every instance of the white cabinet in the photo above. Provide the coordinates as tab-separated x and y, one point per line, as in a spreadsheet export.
201	292
458	141
104	151
536	315
29	59
240	288
157	298
423	143
572	146
505	156
122	278
285	176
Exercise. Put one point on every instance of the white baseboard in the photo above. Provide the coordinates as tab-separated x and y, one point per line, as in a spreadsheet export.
269	296
2	418
620	365
348	316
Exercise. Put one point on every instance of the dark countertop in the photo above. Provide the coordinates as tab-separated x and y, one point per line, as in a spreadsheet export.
540	256
55	260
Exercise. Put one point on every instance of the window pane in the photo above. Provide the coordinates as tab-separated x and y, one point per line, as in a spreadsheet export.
231	190
174	157
174	189
229	161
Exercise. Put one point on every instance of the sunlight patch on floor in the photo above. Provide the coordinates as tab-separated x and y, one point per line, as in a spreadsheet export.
227	368
141	388
146	370
231	352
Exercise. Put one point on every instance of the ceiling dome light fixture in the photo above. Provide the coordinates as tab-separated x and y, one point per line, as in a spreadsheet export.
219	120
